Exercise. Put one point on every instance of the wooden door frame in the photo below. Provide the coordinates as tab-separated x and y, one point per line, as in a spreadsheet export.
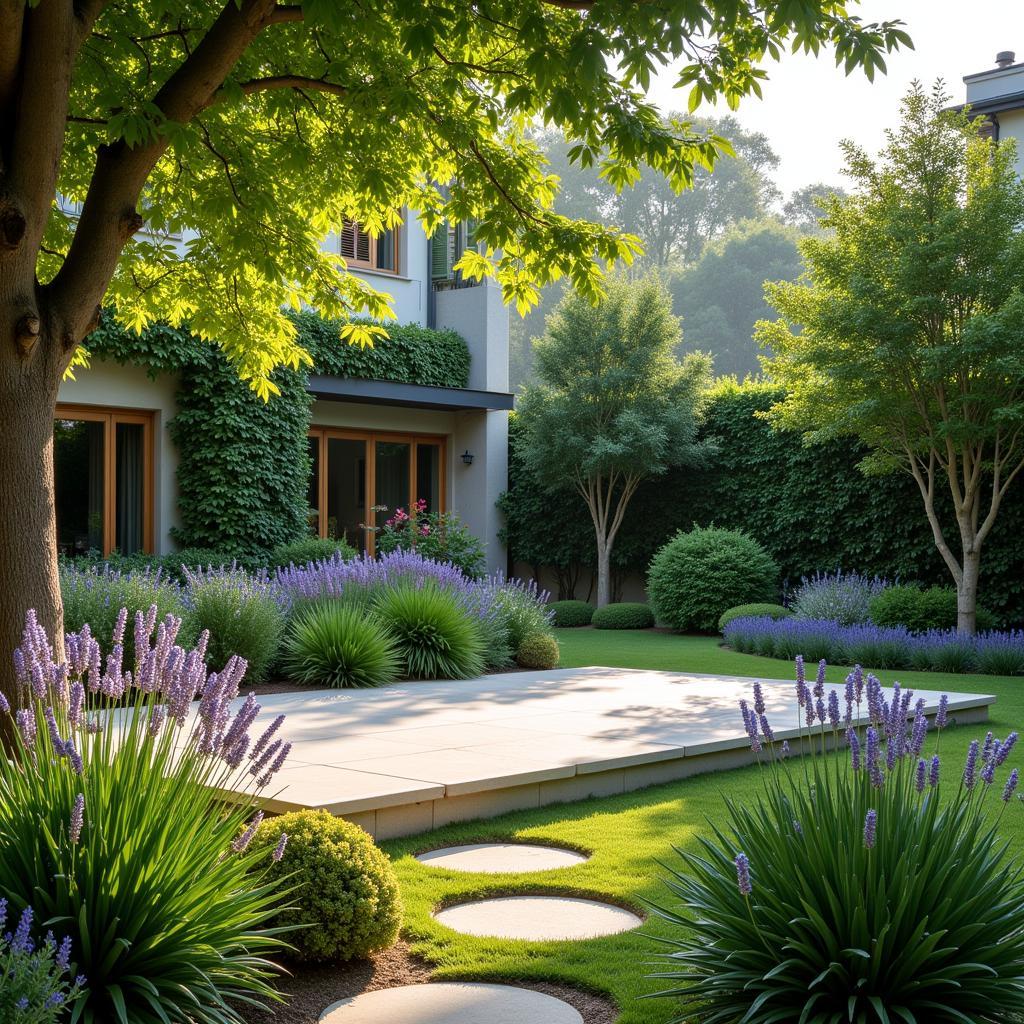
110	417
370	438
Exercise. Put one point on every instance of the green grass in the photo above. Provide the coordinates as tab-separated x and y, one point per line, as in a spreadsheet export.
629	835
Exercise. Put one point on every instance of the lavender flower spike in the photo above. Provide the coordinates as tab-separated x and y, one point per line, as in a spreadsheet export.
279	849
77	818
1004	751
854	741
971	766
870	829
241	842
933	772
743	874
942	717
919	776
1011	785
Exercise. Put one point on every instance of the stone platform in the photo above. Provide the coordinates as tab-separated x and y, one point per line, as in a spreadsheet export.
408	758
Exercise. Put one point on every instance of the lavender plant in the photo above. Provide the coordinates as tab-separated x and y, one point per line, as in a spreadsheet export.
863	887
110	822
35	981
842	597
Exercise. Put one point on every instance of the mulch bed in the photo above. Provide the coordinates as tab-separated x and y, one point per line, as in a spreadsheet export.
312	989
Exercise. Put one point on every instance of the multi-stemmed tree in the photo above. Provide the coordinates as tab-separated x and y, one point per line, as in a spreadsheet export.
263	124
907	332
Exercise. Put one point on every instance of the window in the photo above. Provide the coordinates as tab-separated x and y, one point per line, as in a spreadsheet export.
353	473
103	484
361	249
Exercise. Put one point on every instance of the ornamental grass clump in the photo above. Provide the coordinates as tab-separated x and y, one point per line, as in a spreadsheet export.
860	887
112	828
36	984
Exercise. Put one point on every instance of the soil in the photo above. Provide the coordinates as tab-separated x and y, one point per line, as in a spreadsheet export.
310	990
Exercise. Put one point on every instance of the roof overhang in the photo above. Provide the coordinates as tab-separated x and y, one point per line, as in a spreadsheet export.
421	396
995	105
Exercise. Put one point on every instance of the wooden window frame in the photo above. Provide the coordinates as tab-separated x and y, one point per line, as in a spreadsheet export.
370	438
110	417
370	263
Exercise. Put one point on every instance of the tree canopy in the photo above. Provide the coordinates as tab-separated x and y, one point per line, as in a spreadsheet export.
910	323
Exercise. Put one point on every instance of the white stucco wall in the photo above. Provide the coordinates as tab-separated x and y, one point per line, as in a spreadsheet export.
110	385
1011	125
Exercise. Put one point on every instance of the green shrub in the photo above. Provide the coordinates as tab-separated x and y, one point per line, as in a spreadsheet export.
538	651
333	643
571	614
773	611
443	537
698	575
95	596
343	886
437	637
883	888
243	612
625	615
309	549
921	608
123	844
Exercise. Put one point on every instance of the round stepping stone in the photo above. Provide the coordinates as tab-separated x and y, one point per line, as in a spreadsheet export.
500	858
458	1003
538	918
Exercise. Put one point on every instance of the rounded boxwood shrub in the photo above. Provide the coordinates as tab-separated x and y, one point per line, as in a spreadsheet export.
570	614
538	651
344	901
921	608
309	549
334	643
436	637
773	611
698	575
625	615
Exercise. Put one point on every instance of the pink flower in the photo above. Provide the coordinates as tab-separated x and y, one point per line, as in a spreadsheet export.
425	529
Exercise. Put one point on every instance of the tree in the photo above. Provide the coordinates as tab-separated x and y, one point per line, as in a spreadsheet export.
265	124
613	406
721	296
912	319
805	207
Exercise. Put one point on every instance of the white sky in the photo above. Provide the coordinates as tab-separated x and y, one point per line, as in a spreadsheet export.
809	104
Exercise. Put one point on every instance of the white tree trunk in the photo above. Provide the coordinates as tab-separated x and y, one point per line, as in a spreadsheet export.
967	591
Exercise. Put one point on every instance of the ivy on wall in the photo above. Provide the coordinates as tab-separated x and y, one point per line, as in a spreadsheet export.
243	465
810	506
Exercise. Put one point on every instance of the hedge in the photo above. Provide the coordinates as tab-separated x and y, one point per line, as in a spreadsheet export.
810	507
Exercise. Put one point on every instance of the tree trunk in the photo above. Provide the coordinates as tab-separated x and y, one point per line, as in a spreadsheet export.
967	590
603	574
28	531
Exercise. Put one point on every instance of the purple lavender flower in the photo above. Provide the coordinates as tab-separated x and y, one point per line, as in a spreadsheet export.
743	874
988	773
282	756
77	818
971	766
241	842
854	741
1005	748
942	716
986	749
766	729
819	681
920	730
919	776
21	941
63	957
26	722
850	699
819	710
5	707
833	709
77	703
758	699
933	773
870	828
265	738
1011	786
280	848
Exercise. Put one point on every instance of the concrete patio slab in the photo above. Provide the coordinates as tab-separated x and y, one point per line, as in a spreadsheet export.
452	1003
407	758
538	918
501	858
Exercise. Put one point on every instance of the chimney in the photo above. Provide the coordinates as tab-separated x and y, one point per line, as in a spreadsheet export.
1005	58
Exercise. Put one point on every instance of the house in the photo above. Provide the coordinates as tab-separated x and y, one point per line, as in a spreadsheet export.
998	96
371	442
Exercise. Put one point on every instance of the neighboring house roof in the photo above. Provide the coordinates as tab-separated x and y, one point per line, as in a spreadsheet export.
423	396
996	104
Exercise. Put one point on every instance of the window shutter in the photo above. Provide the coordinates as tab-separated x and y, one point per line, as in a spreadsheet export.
347	245
362	245
441	253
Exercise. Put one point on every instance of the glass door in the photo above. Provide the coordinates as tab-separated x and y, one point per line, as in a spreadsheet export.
391	478
346	490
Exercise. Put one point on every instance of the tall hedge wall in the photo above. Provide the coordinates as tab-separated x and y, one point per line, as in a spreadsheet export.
811	507
243	463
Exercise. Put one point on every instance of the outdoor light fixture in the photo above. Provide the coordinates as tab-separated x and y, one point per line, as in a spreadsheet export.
467	457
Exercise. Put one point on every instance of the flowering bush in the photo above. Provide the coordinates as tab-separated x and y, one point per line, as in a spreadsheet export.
111	824
843	597
34	984
937	650
874	892
242	612
442	536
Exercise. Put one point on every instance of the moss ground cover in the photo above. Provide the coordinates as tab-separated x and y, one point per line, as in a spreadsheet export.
629	835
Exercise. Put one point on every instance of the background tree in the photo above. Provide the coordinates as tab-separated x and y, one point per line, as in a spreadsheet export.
721	296
174	114
613	406
912	321
805	206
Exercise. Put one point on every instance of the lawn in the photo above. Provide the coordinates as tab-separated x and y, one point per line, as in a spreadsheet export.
628	835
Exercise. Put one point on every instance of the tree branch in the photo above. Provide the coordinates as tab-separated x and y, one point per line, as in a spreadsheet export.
293	82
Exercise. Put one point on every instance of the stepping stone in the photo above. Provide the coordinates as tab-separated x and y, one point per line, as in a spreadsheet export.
538	918
458	1003
501	858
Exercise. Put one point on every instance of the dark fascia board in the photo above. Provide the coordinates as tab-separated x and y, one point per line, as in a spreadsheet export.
995	105
421	396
